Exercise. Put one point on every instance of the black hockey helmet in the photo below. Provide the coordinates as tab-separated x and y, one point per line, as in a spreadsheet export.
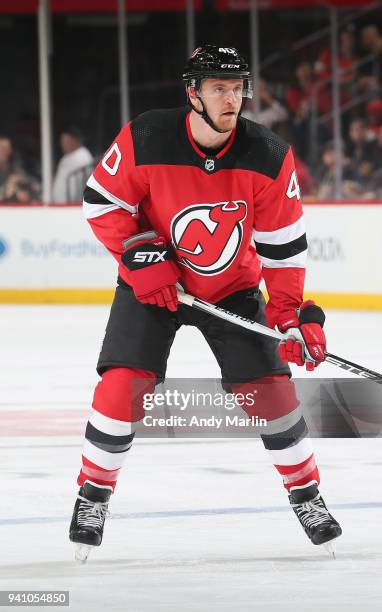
212	61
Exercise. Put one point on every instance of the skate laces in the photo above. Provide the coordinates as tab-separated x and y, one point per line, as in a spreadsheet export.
313	512
91	514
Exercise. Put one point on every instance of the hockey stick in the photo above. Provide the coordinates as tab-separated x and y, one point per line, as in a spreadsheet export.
236	319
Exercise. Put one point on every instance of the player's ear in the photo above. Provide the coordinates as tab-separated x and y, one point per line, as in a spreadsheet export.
192	93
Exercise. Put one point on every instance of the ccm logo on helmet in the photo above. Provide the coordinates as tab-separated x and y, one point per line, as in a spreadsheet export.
207	237
227	50
149	256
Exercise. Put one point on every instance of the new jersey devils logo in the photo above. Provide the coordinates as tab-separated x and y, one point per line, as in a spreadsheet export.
207	237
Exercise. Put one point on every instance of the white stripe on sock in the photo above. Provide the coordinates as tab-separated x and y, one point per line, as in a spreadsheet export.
293	454
108	461
110	426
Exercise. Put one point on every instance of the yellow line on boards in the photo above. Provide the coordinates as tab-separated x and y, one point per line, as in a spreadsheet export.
346	301
56	296
342	301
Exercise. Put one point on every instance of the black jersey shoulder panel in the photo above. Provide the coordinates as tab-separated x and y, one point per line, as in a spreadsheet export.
160	138
157	137
259	149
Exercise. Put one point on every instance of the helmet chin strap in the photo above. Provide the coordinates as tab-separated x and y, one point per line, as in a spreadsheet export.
203	113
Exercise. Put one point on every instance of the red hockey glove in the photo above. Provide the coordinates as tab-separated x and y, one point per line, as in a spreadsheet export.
305	340
153	271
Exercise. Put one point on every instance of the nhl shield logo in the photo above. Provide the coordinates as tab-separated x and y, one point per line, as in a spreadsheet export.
209	164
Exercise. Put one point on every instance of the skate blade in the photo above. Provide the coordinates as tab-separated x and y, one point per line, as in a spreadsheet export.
330	548
82	552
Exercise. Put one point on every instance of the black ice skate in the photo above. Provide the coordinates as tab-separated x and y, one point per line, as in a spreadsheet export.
90	510
317	522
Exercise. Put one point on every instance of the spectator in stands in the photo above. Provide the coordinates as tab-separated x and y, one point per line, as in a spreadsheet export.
325	177
361	150
376	179
21	190
305	91
305	178
371	72
6	160
304	97
15	184
347	63
73	168
272	112
373	118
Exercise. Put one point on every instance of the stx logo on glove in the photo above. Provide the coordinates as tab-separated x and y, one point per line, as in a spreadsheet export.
149	256
153	273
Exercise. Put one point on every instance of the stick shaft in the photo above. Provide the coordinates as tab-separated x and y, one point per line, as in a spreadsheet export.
236	319
354	368
226	315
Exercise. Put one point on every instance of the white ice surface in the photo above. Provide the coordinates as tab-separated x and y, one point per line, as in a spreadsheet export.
197	525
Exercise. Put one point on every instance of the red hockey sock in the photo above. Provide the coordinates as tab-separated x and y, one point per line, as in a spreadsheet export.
286	434
299	475
118	406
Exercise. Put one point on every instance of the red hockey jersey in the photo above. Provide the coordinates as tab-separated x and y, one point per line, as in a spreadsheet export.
231	217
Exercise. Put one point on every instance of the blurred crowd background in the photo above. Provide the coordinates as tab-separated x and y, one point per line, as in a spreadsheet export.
295	89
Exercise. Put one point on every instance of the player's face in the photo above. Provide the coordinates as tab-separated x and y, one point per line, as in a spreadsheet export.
222	99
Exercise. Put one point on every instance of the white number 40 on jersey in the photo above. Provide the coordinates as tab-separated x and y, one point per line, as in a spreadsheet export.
293	190
112	160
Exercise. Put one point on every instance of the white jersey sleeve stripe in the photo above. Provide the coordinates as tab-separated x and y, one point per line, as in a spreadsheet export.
91	211
94	184
282	235
296	261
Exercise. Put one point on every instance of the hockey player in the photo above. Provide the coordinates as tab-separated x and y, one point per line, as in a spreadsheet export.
179	197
